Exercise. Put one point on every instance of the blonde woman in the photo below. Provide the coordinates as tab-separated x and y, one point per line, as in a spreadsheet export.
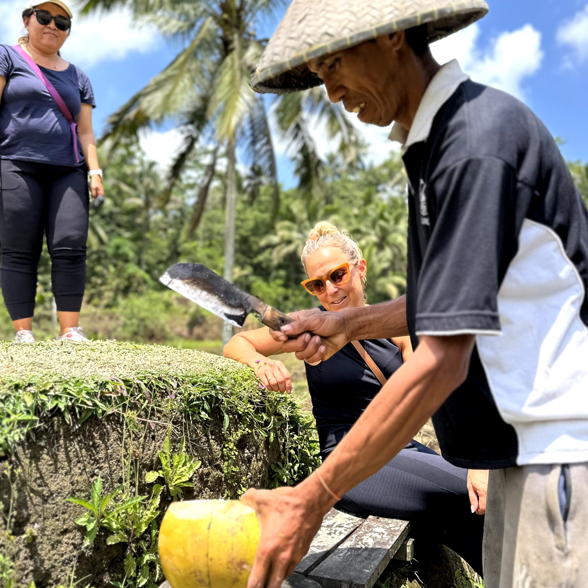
417	485
47	150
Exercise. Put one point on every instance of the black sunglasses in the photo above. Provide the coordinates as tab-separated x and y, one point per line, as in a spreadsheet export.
44	17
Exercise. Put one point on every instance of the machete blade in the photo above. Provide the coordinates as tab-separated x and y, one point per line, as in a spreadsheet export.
207	289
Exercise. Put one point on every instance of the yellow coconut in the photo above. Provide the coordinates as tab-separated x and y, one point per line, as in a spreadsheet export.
208	543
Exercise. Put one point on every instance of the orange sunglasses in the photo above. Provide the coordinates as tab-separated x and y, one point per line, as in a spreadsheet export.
339	275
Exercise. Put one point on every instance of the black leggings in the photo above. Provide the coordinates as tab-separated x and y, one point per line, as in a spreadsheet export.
37	199
419	486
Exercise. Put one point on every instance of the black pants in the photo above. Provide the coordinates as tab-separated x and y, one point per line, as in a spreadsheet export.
419	486
37	199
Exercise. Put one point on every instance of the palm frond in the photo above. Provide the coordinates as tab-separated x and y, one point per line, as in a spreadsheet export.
291	121
259	150
181	82
349	142
232	98
266	11
97	236
193	126
179	21
138	6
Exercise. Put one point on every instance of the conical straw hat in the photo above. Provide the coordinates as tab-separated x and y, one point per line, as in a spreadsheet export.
313	28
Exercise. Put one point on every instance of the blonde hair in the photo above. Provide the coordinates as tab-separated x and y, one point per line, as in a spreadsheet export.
325	234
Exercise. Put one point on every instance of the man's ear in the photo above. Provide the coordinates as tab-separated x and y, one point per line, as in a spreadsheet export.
396	40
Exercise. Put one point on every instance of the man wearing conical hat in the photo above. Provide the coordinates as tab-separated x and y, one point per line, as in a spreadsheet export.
496	302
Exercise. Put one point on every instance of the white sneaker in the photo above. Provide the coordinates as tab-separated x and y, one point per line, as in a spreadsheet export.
24	337
75	335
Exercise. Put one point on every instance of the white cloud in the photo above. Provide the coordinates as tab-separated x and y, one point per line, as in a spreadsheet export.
574	34
460	46
505	63
161	146
94	39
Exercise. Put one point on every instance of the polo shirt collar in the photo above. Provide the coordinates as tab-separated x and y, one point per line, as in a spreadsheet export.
440	89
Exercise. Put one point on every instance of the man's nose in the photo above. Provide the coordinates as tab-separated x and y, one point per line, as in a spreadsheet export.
335	91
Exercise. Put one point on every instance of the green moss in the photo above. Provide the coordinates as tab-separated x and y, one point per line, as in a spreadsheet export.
149	383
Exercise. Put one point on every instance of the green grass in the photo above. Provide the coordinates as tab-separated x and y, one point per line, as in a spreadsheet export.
293	365
210	346
103	359
153	382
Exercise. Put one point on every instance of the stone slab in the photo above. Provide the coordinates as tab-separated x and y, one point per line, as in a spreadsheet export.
406	551
336	527
360	560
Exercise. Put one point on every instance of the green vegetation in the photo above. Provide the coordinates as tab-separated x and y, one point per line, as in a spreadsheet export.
220	204
99	515
130	521
176	469
580	174
102	378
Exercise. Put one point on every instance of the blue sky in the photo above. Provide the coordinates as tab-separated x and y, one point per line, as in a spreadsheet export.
534	49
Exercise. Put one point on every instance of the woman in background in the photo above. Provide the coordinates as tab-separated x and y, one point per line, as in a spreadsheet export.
44	166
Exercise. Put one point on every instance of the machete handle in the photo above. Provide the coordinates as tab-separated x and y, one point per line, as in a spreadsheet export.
275	320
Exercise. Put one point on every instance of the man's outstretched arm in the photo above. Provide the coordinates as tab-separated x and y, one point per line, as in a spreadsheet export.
381	321
290	517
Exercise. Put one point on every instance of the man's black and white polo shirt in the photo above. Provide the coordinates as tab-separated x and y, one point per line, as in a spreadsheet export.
498	248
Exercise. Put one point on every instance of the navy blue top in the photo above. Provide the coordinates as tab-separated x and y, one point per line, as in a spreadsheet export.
32	128
496	226
342	387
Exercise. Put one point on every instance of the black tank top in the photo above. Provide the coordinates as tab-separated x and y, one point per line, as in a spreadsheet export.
343	386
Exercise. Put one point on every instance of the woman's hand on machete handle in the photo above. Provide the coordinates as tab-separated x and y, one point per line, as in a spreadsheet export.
478	489
289	519
302	336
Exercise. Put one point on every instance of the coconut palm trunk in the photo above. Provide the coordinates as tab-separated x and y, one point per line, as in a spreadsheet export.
145	237
230	210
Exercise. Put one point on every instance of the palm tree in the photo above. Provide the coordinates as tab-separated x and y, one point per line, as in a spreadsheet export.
206	89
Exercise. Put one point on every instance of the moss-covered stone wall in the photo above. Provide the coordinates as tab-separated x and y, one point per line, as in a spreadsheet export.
124	429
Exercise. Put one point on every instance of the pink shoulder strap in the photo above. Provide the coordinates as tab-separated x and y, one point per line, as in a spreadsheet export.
55	94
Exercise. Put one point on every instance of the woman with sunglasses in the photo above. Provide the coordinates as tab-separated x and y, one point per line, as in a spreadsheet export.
418	484
44	164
